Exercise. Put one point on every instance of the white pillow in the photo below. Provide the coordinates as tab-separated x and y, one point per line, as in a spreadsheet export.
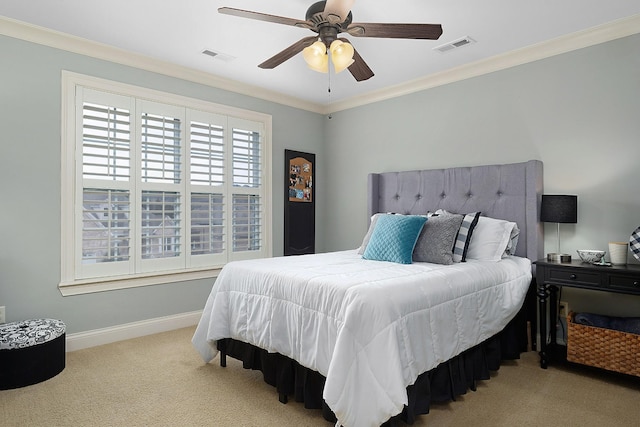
367	236
493	239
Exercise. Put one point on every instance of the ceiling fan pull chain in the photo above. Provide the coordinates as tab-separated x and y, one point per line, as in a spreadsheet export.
329	91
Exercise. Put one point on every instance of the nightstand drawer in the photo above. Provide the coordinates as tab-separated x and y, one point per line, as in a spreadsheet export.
628	283
570	276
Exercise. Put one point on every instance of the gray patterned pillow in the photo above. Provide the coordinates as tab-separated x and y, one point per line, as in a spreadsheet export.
437	238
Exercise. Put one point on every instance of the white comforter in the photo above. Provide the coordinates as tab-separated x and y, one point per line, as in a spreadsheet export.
369	327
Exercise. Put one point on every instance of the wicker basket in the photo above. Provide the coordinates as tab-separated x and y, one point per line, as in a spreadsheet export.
603	348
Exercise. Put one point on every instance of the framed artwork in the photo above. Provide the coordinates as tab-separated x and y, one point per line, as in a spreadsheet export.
299	203
300	180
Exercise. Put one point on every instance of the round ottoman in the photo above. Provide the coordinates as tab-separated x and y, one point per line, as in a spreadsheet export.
31	351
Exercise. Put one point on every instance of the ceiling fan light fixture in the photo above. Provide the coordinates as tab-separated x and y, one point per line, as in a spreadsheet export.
327	19
341	55
316	57
323	64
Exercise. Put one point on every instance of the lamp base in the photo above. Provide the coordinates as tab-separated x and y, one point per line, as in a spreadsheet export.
555	257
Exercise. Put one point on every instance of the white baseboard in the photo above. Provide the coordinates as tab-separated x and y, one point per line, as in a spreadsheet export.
96	337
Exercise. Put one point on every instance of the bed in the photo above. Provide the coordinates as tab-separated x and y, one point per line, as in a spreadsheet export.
371	341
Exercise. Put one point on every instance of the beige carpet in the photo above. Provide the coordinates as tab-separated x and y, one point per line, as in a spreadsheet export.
160	380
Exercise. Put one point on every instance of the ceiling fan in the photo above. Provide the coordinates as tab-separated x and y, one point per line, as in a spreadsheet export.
328	19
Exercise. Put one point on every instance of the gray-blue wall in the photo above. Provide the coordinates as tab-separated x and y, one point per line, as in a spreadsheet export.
577	112
30	120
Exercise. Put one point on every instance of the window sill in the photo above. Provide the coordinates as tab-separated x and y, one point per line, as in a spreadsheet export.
102	284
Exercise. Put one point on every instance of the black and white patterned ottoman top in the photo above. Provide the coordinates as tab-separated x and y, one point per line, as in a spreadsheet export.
30	332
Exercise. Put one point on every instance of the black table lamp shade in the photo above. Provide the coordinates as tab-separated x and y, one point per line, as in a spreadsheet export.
559	208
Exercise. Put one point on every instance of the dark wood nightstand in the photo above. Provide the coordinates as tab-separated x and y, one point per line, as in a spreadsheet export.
550	276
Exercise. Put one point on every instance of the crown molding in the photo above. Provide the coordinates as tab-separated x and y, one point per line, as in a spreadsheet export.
578	40
56	39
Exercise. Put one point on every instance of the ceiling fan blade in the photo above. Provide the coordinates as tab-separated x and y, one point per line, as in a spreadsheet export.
359	69
340	8
396	31
288	53
263	17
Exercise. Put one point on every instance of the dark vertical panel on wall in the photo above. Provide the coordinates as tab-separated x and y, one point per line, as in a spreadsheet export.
299	203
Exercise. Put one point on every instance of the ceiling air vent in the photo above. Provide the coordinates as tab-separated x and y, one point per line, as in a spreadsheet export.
218	55
464	41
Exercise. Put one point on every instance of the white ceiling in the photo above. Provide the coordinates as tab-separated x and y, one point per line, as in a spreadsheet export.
178	31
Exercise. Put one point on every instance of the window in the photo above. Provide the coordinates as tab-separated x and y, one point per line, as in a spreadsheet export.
158	188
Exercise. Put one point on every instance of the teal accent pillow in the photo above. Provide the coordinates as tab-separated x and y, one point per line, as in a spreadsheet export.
394	238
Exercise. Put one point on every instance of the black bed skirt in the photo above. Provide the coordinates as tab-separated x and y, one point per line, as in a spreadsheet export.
441	384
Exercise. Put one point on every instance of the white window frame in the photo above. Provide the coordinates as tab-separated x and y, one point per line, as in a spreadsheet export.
71	280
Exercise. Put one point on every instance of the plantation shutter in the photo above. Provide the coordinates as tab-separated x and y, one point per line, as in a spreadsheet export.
247	188
105	224
161	195
207	162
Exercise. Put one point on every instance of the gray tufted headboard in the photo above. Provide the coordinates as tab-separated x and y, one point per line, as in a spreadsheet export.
511	192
